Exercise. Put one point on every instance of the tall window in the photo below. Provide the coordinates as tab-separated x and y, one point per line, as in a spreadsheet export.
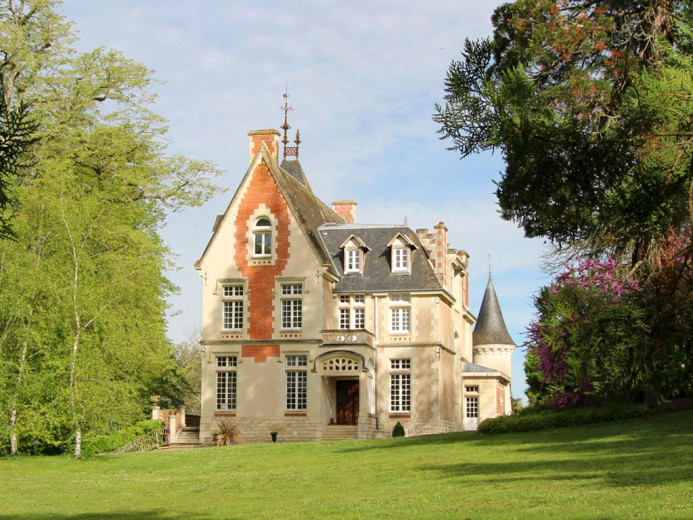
400	385
226	383
292	305
262	233
296	383
352	262
352	311
400	310
472	401
400	258
232	307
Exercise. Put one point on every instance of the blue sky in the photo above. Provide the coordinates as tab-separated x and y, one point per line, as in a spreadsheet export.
363	78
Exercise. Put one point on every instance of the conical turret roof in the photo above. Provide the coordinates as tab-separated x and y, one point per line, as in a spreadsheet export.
490	327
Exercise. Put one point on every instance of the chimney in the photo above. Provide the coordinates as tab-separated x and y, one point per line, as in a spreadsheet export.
440	249
269	137
345	209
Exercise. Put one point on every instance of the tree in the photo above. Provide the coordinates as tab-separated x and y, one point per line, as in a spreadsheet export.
189	356
591	104
82	306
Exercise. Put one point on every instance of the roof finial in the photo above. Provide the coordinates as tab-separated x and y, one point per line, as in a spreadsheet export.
286	108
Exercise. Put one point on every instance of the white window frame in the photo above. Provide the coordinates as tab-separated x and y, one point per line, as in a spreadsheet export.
352	312
401	259
471	408
400	313
226	383
232	307
296	383
353	260
400	385
291	295
262	237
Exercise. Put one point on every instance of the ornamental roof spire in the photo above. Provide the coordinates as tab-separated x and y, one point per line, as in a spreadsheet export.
289	151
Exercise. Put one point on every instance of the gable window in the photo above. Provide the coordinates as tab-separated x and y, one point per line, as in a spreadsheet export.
296	383
292	306
232	307
262	236
400	385
352	311
400	253
226	383
400	313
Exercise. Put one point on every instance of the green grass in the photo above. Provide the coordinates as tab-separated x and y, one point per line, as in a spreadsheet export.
638	468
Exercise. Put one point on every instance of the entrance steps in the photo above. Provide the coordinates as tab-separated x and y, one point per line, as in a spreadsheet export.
340	432
188	437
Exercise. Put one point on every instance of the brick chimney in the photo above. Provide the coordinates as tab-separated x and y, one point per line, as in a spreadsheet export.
345	209
440	249
269	137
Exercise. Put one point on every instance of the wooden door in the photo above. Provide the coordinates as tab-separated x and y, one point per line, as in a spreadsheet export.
347	402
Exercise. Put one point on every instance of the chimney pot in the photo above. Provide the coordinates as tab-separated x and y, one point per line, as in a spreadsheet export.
270	137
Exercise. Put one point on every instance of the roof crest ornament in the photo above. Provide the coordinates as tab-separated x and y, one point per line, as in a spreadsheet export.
289	151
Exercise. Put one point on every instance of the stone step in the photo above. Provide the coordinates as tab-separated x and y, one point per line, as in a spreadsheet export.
339	432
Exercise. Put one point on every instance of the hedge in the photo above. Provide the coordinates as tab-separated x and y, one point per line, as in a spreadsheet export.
543	419
110	442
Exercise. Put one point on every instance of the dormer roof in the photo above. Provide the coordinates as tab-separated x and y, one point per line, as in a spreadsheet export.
403	238
490	327
357	240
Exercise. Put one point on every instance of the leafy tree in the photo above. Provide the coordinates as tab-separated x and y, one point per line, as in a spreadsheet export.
82	328
591	105
189	356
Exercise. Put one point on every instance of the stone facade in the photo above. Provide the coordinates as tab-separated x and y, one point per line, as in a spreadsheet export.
310	319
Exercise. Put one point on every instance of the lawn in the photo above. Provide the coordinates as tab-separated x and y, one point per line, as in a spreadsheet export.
639	468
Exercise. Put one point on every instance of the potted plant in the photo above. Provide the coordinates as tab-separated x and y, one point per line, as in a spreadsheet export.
228	433
398	430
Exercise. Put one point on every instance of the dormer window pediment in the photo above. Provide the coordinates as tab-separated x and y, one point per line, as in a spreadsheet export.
354	249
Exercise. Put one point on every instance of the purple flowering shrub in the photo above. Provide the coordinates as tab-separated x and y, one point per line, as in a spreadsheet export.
580	346
603	335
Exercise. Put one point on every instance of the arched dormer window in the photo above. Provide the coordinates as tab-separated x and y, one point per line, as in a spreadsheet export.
262	237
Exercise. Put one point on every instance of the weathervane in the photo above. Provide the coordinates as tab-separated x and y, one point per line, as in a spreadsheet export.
289	151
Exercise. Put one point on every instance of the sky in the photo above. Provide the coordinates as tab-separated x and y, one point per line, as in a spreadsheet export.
363	78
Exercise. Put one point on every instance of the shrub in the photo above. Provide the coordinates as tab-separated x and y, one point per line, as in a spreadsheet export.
106	443
533	419
398	430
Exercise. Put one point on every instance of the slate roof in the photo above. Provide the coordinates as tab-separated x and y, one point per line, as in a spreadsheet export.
377	272
310	211
474	368
490	326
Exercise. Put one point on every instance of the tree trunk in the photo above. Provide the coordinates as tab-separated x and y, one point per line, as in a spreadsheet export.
14	446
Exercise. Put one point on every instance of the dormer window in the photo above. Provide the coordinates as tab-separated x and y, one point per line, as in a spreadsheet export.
262	235
400	248
353	250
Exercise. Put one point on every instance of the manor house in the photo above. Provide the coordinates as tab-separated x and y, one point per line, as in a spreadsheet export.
316	326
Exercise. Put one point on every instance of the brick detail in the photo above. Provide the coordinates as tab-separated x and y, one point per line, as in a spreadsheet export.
262	190
259	352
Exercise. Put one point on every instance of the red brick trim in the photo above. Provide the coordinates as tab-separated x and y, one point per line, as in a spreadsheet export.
222	414
293	414
399	416
260	352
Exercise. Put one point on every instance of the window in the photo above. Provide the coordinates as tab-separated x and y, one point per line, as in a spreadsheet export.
472	406
400	385
352	311
352	261
292	305
400	259
471	389
262	233
226	383
296	383
232	307
399	313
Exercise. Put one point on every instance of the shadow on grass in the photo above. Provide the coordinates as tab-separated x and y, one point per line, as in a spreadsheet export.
633	452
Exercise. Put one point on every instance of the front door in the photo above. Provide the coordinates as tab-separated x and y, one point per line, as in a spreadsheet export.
347	402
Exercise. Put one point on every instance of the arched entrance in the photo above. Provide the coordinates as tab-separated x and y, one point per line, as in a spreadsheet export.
342	371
